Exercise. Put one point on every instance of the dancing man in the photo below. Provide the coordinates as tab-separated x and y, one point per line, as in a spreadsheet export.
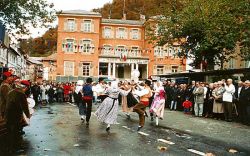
145	93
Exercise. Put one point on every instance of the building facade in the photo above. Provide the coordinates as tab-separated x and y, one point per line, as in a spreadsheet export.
90	46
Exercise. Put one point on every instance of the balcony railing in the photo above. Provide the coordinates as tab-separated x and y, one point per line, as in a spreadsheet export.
128	54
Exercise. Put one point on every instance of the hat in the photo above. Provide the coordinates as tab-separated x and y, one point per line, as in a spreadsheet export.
7	74
25	82
89	80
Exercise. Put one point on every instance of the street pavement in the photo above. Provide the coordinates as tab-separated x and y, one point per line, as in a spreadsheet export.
57	130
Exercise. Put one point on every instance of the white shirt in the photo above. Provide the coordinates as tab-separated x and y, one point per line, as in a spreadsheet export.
141	92
228	94
78	89
239	90
205	92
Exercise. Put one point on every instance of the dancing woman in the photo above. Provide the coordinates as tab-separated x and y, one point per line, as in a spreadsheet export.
158	105
108	110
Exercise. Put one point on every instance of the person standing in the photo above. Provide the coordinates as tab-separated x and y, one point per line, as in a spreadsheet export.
140	108
35	89
237	99
174	94
108	110
244	103
78	99
124	102
87	98
16	107
198	99
228	99
4	90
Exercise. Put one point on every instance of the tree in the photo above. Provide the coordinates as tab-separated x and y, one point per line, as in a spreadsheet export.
18	15
41	46
212	29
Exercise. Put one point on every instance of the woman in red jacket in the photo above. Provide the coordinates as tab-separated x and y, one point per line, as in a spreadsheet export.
66	88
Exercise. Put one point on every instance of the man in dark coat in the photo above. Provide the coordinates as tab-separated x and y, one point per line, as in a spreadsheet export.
16	107
244	103
4	90
35	89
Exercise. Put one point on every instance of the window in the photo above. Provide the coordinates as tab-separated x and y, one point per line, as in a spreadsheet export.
103	70
68	68
106	49
232	63
70	25
107	32
134	51
135	34
86	26
120	51
69	45
174	69
160	70
86	46
121	34
247	64
159	51
86	69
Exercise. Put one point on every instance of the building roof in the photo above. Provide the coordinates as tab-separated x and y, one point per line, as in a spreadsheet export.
51	57
79	12
34	61
119	21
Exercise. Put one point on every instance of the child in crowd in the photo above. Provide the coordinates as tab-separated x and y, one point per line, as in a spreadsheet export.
187	105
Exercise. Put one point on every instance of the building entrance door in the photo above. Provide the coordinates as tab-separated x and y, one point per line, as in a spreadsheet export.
120	72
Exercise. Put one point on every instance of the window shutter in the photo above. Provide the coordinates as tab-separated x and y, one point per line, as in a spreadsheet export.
126	33
92	50
75	25
91	67
64	45
103	32
139	34
117	32
75	46
65	24
82	25
112	32
80	69
93	26
155	70
180	69
131	34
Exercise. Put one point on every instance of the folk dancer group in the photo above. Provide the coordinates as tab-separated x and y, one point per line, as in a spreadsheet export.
135	98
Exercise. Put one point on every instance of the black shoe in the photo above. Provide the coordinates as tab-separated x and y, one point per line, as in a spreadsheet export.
128	116
139	128
108	129
152	118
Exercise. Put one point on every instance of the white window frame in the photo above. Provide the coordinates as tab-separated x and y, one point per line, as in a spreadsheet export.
135	35
107	34
71	26
174	68
160	69
247	64
231	63
86	66
71	49
159	51
73	68
106	49
86	46
121	34
135	50
87	26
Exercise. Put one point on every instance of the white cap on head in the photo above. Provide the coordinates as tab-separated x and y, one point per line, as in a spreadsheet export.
114	84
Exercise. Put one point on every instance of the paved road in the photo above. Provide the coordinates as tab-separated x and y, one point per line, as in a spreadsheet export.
58	130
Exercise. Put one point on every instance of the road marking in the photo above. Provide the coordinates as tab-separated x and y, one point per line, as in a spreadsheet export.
142	133
71	104
196	152
165	141
126	127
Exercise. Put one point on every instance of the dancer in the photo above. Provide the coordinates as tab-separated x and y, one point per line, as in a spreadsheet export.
125	107
158	105
140	108
87	99
108	110
78	99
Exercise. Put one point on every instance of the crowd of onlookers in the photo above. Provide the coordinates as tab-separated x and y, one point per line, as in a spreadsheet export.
220	100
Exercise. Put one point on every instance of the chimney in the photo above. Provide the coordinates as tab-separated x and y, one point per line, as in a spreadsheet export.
124	17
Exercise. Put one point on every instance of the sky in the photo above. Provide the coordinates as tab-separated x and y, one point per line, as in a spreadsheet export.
87	5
